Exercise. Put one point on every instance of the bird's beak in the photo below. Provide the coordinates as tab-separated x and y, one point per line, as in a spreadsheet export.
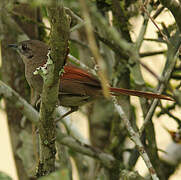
13	46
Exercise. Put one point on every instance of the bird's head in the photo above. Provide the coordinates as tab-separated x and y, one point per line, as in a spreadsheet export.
31	51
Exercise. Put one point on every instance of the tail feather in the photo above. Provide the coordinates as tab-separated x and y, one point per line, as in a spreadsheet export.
148	95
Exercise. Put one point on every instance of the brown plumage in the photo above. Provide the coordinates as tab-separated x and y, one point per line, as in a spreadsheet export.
77	86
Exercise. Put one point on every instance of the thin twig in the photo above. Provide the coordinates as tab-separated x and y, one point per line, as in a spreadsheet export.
153	21
106	159
29	20
79	43
70	126
82	65
136	139
150	71
114	46
172	56
21	104
158	12
155	40
77	26
146	54
75	19
150	139
102	72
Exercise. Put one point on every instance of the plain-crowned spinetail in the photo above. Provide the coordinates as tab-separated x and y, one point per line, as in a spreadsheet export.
77	86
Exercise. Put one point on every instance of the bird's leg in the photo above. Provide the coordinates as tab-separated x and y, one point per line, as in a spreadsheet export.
35	101
34	97
73	109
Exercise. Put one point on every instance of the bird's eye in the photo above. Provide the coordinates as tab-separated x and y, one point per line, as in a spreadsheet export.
24	47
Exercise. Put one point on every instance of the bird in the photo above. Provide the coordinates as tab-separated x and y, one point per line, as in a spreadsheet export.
77	86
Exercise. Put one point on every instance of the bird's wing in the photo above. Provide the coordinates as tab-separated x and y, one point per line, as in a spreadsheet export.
79	75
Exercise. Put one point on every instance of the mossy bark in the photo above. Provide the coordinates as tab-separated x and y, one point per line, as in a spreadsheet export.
59	37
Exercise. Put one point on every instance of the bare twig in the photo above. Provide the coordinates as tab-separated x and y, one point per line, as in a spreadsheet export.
146	54
136	139
172	56
106	159
102	72
153	21
150	71
74	59
19	102
151	142
30	20
155	40
158	12
79	43
75	19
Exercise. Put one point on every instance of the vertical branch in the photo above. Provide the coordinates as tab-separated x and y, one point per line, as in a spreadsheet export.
93	46
173	48
150	133
56	58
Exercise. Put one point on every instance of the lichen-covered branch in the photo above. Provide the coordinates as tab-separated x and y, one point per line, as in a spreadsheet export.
106	159
19	102
59	46
136	139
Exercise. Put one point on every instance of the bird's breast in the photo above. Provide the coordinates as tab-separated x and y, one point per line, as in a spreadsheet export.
34	81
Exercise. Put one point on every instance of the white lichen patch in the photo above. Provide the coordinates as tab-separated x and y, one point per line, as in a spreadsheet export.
42	70
49	60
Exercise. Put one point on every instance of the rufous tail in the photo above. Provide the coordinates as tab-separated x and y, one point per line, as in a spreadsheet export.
148	95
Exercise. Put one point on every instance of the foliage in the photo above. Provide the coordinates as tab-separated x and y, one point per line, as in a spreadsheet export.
113	31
